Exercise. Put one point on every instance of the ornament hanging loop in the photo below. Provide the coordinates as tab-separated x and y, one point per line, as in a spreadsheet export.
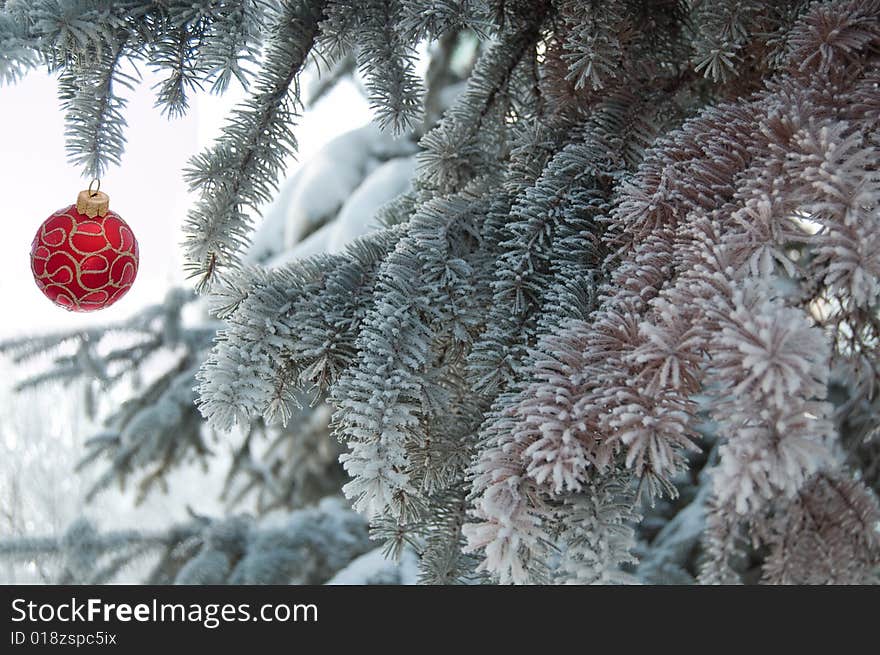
93	202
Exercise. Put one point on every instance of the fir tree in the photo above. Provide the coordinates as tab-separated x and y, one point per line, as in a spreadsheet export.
623	325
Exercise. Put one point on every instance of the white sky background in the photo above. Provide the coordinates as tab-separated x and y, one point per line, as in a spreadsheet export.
147	190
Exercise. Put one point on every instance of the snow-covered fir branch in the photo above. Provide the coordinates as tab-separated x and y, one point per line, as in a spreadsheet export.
309	546
620	325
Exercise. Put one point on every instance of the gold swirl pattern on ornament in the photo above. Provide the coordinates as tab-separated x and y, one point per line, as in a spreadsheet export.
101	272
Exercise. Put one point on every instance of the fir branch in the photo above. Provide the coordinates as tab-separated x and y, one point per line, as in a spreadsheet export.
95	120
240	171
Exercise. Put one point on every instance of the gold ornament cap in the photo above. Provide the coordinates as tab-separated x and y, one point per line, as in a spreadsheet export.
93	203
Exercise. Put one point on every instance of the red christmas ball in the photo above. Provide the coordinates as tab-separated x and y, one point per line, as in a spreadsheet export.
84	257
